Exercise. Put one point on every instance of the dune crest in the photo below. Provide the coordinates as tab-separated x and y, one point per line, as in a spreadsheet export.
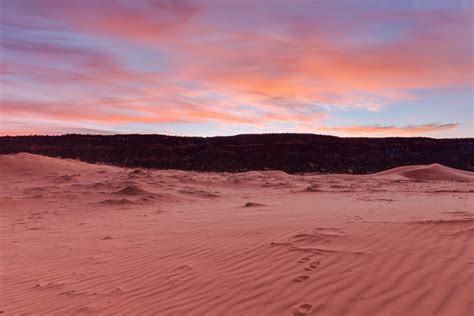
433	172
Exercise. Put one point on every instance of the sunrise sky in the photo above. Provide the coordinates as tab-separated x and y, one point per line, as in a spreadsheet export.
346	68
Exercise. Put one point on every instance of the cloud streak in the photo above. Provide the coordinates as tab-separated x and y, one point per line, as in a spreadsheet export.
408	130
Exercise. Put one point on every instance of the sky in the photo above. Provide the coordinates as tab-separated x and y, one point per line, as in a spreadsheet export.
369	68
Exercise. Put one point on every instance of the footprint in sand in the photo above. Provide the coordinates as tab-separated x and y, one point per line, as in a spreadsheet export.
302	309
313	266
303	260
84	309
301	278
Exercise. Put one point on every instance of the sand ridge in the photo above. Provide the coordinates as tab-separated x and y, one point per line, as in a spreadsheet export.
433	172
78	238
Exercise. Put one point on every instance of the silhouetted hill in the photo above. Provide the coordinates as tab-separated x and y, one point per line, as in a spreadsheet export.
292	153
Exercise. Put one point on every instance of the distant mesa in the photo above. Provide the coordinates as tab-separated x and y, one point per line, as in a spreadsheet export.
276	153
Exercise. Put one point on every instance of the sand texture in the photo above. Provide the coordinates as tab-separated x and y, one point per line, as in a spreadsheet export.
82	239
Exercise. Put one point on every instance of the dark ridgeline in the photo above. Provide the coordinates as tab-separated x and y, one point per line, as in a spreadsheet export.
293	153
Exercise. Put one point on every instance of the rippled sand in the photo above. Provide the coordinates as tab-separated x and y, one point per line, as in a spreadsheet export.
90	239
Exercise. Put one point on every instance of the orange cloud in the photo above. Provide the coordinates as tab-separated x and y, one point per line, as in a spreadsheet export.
392	130
319	70
108	113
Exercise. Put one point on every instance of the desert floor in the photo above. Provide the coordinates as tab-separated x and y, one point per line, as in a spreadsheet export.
90	239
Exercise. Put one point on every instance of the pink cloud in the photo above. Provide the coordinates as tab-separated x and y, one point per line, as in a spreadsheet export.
112	113
408	130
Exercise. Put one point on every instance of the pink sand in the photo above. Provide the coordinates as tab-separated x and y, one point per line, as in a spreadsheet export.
90	239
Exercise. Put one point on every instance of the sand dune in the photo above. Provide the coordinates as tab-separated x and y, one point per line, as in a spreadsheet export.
100	240
434	172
